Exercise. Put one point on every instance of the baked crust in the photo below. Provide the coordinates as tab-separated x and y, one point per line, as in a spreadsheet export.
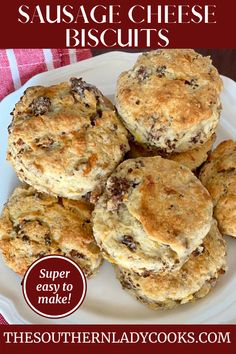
218	175
34	224
193	281
170	99
65	139
192	158
153	214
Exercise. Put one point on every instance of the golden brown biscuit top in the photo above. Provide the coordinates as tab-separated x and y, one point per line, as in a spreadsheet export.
223	158
181	64
218	173
66	129
175	88
201	267
219	177
169	202
46	221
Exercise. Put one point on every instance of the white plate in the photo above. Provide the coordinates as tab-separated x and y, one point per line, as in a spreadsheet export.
106	302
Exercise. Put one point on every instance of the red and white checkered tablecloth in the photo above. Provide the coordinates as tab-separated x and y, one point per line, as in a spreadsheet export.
19	65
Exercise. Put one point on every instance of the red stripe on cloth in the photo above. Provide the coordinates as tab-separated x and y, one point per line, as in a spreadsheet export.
2	320
30	62
82	54
65	57
5	75
56	55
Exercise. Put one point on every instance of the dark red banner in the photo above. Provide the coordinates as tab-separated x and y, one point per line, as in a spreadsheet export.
117	339
114	24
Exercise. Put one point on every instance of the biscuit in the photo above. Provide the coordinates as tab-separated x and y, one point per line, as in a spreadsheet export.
65	139
34	224
218	175
153	214
170	99
193	281
191	158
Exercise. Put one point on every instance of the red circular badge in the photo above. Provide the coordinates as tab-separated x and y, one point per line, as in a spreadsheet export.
54	286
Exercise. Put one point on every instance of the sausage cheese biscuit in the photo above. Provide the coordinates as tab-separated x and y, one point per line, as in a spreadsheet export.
170	99
193	281
65	139
152	216
191	158
218	175
34	224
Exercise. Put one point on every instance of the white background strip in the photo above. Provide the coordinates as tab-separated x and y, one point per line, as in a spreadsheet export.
48	58
14	69
72	54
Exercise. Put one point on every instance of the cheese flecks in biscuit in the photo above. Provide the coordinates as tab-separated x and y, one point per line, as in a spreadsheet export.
153	214
191	158
170	99
66	139
193	281
34	224
218	175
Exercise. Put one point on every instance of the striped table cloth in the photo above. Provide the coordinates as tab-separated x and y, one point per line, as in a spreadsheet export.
19	65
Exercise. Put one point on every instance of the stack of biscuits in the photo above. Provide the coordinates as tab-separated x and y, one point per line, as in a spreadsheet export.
64	141
170	103
154	222
118	183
